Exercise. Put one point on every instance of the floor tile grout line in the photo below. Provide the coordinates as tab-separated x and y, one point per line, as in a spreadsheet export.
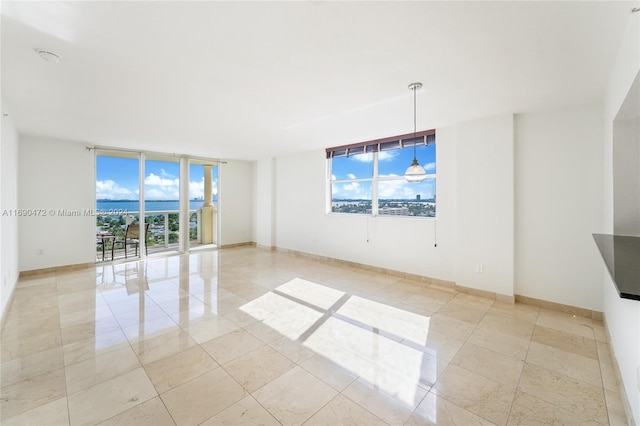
450	362
604	393
430	389
524	362
247	391
554	372
64	366
365	408
141	365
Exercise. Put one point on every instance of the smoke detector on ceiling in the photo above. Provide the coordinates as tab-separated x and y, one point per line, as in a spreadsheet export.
48	55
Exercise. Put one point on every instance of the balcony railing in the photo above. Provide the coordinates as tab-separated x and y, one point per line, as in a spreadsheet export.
163	234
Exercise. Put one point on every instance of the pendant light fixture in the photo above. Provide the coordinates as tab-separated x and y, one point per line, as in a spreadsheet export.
415	172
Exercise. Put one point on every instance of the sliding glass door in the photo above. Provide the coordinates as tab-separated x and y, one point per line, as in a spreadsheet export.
117	205
162	203
150	203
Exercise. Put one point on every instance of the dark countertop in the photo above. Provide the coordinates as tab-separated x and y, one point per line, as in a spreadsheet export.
621	254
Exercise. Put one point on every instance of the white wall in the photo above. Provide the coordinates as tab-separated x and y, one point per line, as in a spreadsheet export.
265	202
8	203
626	166
402	244
236	197
521	196
558	193
485	205
55	175
623	322
622	316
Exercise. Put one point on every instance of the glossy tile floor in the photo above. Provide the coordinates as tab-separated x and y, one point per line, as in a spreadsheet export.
249	336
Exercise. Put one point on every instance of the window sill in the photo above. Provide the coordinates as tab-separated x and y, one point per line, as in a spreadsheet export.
385	216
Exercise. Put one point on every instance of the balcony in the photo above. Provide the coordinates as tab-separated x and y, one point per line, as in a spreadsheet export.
163	234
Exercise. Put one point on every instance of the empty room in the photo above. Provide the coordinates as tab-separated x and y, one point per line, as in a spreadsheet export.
320	213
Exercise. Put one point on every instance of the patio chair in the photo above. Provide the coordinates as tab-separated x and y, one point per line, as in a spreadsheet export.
132	238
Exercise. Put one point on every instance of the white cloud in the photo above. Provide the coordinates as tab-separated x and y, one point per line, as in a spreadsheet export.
196	189
402	190
429	167
164	174
157	194
156	188
352	190
368	157
110	190
386	155
155	180
353	186
351	176
161	188
363	158
390	189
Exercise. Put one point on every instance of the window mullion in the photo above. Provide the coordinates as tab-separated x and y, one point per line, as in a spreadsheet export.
352	180
328	188
374	186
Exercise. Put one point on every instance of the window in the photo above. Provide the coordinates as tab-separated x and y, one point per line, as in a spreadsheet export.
368	178
134	188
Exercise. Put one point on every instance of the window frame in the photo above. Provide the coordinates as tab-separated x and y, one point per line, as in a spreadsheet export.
375	147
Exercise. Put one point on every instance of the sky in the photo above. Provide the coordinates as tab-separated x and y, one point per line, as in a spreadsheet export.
117	179
390	164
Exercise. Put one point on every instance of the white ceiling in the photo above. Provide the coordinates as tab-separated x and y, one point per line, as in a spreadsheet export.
255	79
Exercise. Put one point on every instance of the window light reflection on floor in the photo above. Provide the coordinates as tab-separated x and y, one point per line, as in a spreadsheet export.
315	294
293	329
382	344
398	322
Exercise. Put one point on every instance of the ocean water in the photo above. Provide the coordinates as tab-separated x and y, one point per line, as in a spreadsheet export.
121	207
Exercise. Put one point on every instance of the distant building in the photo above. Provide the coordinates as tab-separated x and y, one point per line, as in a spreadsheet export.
394	211
418	197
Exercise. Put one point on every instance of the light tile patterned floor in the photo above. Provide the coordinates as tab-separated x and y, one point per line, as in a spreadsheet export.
249	336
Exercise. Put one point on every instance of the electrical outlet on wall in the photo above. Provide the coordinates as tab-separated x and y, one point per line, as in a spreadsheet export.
479	267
